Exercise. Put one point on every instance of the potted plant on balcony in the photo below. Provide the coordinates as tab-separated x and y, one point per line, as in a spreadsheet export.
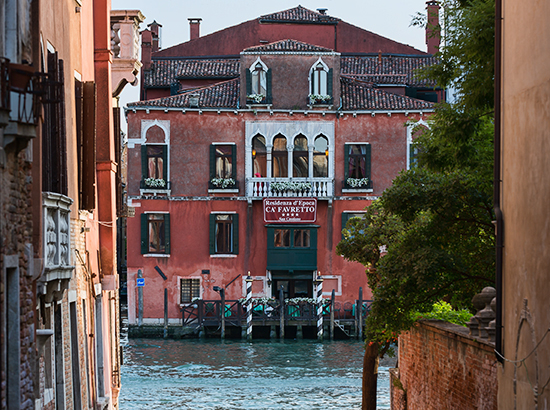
223	183
357	182
155	183
289	186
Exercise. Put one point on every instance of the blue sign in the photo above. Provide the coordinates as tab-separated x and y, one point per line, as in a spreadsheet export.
140	282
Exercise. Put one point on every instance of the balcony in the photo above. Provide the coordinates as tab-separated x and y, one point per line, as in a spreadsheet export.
259	188
220	186
24	92
56	239
357	186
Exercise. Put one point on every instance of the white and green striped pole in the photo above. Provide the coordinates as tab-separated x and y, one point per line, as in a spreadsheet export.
319	300
249	307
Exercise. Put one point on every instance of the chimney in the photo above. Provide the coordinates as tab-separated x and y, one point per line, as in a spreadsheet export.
146	40
155	34
433	29
194	28
322	11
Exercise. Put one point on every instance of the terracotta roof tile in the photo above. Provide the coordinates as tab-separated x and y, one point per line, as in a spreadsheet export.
288	45
221	95
298	14
361	96
163	73
388	69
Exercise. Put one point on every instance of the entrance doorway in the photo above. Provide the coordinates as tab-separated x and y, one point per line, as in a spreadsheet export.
297	284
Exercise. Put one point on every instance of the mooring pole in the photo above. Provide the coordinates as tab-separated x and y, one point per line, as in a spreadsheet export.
165	313
249	307
319	301
140	299
332	315
282	315
359	311
222	312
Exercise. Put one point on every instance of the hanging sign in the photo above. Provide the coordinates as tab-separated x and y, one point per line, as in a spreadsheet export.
290	210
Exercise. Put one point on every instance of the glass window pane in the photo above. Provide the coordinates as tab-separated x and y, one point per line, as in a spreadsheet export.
280	166
300	144
258	143
282	238
321	144
279	144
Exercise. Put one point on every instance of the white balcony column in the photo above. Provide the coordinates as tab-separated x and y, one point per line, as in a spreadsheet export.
310	161
290	151
269	149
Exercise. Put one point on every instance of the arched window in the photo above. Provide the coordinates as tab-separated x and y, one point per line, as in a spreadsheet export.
320	84
300	159
259	79
320	157
259	157
280	157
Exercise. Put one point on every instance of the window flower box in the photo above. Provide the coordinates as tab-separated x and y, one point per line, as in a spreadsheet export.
290	186
223	183
317	99
154	183
255	98
357	182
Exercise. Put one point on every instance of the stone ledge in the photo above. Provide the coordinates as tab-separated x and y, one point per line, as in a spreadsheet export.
458	332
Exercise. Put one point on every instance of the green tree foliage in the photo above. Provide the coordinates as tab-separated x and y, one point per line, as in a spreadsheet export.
436	219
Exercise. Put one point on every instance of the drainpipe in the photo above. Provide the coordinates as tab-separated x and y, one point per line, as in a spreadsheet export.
497	179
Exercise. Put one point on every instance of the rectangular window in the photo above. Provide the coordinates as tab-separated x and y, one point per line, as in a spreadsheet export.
346	216
190	290
301	238
223	158
155	233
357	160
154	165
224	234
282	238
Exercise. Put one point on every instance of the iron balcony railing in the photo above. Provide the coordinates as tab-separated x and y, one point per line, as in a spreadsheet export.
25	87
4	84
259	188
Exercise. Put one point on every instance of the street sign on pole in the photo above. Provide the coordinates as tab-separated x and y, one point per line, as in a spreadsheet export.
140	282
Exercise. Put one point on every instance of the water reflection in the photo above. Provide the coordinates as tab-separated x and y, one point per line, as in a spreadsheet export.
214	374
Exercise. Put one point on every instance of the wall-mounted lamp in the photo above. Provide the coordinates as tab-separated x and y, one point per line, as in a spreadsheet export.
253	152
326	152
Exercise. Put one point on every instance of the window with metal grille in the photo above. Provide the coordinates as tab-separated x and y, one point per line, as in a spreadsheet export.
190	290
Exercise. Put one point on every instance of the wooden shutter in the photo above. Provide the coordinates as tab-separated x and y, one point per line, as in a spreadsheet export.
165	163
118	136
329	81
235	222
212	229
144	234
212	161
367	162
248	81
345	219
234	162
167	233
269	96
144	167
89	146
346	161
312	91
78	95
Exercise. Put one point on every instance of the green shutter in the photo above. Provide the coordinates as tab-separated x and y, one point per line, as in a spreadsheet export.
234	162
367	162
212	161
269	96
312	87
329	82
165	162
144	234
248	81
144	167
167	233
235	233
346	161
212	230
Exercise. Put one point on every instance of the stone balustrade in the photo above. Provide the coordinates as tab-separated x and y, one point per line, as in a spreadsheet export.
482	324
259	188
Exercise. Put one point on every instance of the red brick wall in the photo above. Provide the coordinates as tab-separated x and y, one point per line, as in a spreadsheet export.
442	367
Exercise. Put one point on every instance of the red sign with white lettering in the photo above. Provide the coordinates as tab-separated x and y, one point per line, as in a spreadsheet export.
290	210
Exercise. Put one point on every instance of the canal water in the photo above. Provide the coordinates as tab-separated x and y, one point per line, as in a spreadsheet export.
262	375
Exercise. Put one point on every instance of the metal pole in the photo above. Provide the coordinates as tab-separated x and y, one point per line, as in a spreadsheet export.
332	315
360	314
222	312
249	307
319	301
140	299
282	316
165	313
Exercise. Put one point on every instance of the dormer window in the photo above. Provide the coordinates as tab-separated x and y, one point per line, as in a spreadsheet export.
258	83
320	84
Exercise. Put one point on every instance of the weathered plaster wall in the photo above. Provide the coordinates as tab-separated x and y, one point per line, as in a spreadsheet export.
525	198
442	367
